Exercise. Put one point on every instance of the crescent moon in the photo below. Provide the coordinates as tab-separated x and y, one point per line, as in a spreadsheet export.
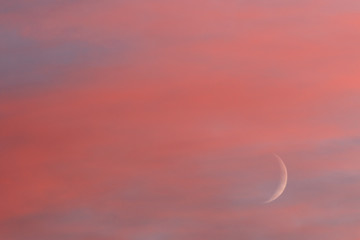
283	181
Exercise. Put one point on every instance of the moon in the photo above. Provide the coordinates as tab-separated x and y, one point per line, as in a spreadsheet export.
283	181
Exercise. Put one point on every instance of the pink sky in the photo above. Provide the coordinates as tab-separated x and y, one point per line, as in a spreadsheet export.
154	120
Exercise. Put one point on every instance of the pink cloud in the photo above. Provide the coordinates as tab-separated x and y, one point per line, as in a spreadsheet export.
165	128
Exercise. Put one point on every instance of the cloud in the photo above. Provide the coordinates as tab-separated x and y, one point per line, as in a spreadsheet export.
156	120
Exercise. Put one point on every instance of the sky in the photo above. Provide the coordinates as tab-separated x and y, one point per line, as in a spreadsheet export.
157	120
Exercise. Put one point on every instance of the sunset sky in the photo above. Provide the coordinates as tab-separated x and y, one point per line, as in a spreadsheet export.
158	119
